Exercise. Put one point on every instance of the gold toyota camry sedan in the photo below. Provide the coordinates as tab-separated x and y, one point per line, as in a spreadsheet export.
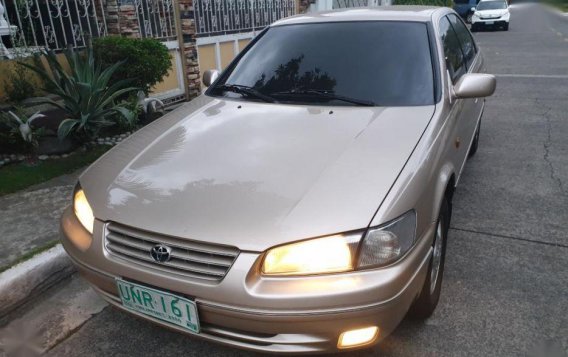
302	203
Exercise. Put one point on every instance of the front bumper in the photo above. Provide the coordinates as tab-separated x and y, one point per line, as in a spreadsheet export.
246	310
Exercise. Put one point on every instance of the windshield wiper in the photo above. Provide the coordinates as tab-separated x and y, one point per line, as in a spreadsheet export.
246	90
326	94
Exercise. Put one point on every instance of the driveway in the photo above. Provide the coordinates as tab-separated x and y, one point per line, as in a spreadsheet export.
506	279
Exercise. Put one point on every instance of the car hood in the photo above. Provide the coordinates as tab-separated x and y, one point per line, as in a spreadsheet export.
255	175
491	13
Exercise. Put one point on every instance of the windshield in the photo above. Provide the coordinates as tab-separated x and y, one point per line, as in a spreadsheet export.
340	63
492	5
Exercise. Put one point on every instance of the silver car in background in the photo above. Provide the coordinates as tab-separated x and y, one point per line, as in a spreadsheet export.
302	203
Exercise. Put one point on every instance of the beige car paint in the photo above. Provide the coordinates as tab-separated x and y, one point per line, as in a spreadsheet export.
271	180
271	173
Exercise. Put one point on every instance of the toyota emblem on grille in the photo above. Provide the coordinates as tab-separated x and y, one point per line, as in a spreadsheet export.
161	253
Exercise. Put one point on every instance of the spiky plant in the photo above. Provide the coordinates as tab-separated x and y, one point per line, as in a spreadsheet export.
88	99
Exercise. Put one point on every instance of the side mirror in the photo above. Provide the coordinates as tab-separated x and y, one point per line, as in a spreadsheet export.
475	85
210	76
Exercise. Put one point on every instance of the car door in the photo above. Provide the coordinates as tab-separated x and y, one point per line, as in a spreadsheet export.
462	112
473	107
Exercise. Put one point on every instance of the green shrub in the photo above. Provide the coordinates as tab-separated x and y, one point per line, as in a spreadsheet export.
448	3
147	60
560	4
126	124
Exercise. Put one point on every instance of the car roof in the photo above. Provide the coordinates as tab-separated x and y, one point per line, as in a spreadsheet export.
380	13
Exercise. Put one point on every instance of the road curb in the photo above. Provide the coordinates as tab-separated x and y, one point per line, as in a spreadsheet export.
32	277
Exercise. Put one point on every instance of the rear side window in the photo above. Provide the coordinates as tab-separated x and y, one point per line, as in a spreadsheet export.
452	50
466	41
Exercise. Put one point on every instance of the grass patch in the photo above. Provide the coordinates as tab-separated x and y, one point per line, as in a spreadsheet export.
18	176
562	5
30	254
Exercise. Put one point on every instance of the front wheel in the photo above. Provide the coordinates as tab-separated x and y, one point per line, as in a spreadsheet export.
424	306
473	28
506	27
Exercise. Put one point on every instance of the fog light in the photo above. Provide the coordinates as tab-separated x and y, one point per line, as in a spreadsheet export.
358	337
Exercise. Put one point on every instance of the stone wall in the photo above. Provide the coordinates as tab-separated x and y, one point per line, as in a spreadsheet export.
121	19
304	5
186	13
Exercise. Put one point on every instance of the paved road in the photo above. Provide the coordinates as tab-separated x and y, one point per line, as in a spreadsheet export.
505	289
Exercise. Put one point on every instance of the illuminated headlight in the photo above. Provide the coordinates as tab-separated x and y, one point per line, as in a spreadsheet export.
335	254
386	244
315	256
83	210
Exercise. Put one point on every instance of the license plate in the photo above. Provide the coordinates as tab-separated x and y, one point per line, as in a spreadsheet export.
159	304
490	22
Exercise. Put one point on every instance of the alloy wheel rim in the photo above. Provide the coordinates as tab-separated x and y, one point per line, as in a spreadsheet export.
436	258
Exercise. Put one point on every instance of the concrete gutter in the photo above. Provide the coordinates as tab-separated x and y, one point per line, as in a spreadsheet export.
30	278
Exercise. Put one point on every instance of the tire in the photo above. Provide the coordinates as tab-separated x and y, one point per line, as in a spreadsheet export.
506	27
473	28
475	142
424	306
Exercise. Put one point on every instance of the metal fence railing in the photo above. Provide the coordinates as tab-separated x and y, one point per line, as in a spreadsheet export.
341	4
57	24
156	18
221	17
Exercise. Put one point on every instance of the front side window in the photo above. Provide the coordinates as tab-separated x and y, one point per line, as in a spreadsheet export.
452	50
340	63
466	41
492	5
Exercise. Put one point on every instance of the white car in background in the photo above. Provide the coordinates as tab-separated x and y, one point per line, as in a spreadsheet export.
490	13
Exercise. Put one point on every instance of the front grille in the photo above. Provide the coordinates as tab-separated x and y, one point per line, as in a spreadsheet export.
189	258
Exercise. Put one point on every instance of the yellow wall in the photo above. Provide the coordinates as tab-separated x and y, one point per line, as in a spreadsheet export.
7	68
227	53
243	44
170	81
207	54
